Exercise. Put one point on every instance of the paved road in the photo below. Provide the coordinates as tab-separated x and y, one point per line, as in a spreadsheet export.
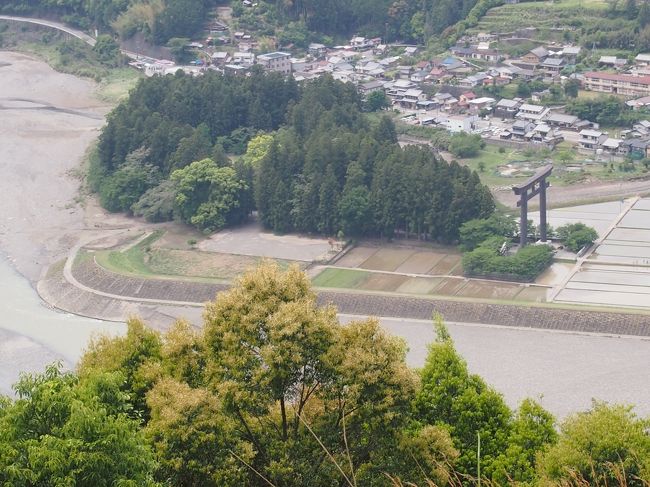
563	371
64	28
54	25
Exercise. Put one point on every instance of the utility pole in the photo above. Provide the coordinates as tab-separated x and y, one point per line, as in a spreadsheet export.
478	458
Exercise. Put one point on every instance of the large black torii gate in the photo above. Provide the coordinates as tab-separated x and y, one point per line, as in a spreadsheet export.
536	185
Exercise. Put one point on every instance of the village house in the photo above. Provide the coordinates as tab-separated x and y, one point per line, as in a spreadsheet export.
638	103
243	59
520	128
459	123
533	113
370	86
482	103
280	62
536	56
612	62
642	127
553	66
621	84
317	50
591	139
635	148
220	58
561	120
613	146
571	53
411	98
642	60
489	55
361	43
506	108
473	80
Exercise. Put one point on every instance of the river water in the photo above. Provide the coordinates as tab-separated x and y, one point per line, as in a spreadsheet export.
33	335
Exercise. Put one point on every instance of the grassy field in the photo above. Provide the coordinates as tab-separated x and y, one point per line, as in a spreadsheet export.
145	259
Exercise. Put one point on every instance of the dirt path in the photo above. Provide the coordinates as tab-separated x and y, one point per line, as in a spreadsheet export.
558	196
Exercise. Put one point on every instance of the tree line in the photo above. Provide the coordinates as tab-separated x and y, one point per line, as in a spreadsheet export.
274	391
313	162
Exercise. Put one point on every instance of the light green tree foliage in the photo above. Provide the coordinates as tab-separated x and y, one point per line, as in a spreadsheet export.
208	196
283	367
608	445
132	356
195	441
62	432
462	402
257	148
533	430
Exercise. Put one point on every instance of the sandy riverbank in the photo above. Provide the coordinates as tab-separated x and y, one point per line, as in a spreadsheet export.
47	121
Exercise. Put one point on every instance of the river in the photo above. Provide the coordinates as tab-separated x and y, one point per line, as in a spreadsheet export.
33	335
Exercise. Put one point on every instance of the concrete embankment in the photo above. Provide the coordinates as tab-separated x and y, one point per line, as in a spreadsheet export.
104	294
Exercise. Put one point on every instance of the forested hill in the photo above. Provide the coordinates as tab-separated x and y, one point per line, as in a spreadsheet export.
160	20
313	162
414	20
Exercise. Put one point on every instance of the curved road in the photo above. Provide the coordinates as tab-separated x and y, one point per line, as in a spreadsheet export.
54	25
64	28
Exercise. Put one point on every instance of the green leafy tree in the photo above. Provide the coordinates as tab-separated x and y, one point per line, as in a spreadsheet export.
123	188
376	101
533	432
208	196
466	145
179	49
474	232
288	373
107	50
600	447
451	396
63	432
571	88
576	235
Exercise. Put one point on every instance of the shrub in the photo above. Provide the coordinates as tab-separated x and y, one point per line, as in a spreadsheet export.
473	232
466	145
575	236
525	265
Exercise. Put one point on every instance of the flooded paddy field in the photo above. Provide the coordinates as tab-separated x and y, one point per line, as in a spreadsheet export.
617	271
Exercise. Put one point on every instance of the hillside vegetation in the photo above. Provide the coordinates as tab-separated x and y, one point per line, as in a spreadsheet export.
590	23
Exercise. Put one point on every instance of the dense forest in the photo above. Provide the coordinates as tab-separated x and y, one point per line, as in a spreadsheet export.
313	161
272	390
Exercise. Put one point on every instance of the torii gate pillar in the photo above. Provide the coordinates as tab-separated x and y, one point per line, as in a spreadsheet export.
536	185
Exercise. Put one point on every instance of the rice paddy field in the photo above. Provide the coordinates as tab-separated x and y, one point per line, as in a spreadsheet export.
434	272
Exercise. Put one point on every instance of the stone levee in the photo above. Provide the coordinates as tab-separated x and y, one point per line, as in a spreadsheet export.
171	292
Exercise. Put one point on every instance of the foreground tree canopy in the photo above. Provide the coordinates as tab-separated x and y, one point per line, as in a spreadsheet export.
274	391
313	162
